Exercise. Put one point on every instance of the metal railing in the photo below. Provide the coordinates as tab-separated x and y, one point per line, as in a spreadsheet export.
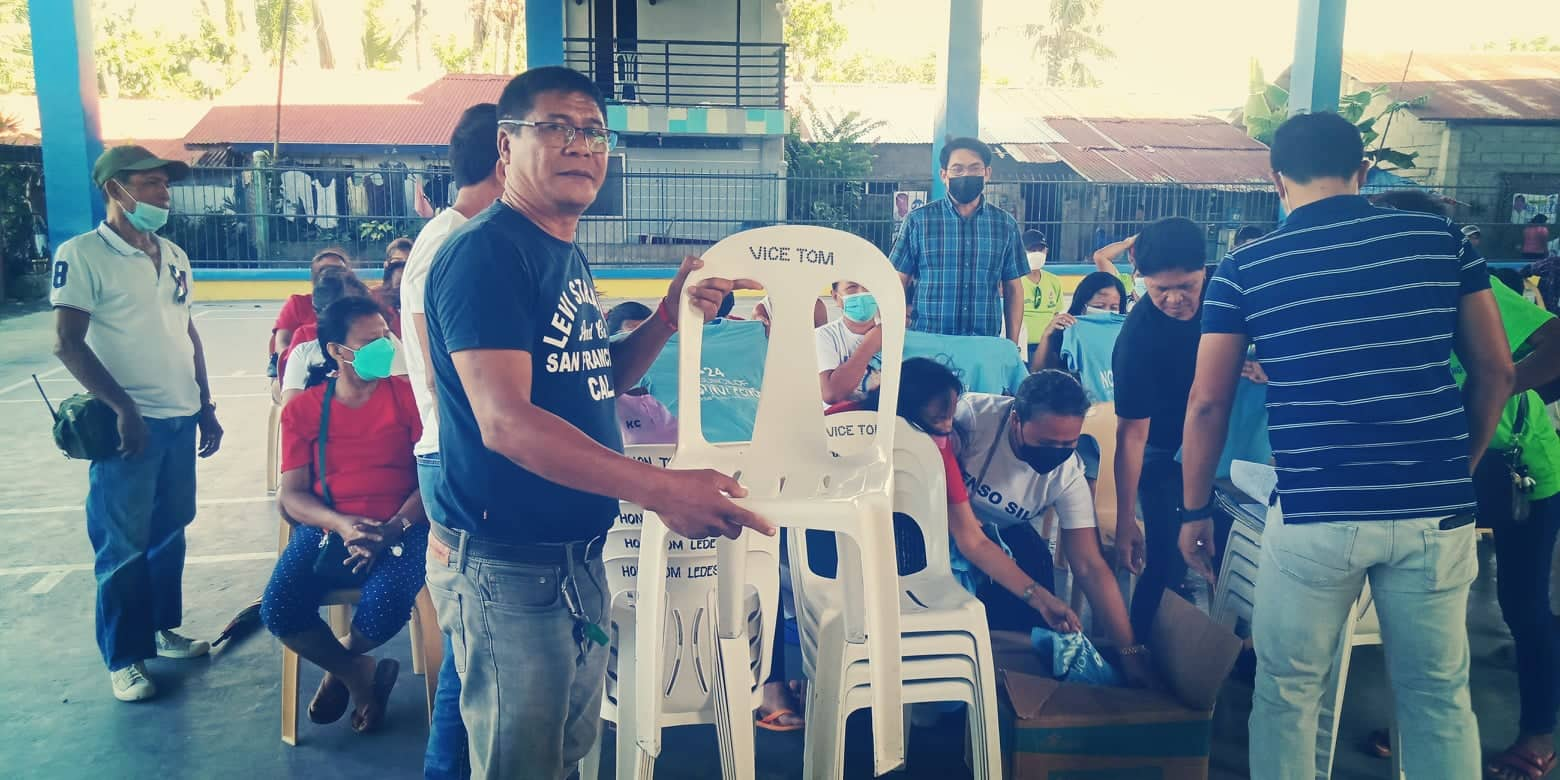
279	217
688	73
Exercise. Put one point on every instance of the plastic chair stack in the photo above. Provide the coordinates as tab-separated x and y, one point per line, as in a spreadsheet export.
792	481
687	676
945	646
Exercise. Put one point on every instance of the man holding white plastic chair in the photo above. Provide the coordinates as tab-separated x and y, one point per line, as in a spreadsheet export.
530	442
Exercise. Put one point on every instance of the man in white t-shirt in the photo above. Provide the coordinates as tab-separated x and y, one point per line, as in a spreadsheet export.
1019	459
847	345
122	316
480	179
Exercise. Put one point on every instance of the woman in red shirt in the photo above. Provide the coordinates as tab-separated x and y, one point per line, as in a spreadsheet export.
1535	238
349	483
299	309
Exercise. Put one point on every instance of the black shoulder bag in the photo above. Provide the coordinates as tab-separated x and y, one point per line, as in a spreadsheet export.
1501	482
328	562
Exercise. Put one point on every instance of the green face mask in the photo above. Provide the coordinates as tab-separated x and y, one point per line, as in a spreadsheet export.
372	360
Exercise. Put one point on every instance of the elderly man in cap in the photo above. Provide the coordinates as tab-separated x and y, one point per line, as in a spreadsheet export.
122	321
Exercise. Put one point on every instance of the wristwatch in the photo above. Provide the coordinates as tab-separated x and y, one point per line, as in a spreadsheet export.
398	549
1203	512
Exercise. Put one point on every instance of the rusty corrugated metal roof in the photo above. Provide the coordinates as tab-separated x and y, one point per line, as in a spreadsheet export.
1160	150
1467	86
424	118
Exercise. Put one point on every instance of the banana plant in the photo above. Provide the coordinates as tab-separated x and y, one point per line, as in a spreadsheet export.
1267	106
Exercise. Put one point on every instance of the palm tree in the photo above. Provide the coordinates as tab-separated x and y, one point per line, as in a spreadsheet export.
1070	43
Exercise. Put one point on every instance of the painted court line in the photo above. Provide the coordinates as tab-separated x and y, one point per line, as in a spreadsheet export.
193	560
28	381
48	582
46	510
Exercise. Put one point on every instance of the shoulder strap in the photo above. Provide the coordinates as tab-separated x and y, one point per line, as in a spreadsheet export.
1522	413
996	440
330	393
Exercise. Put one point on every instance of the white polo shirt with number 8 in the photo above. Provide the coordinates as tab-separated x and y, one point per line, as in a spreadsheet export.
140	316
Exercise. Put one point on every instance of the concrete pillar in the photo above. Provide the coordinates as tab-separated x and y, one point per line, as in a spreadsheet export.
958	83
543	33
66	81
1317	75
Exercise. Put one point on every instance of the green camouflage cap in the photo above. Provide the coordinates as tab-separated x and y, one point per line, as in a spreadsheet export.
134	158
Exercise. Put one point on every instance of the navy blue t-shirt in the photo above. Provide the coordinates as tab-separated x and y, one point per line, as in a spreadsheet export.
501	282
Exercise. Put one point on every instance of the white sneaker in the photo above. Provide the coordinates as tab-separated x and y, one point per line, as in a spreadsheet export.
132	684
171	645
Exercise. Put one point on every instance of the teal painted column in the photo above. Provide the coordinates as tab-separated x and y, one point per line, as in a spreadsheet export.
1317	76
544	33
958	84
66	80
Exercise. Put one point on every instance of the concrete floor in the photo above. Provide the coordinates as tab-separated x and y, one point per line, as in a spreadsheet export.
219	716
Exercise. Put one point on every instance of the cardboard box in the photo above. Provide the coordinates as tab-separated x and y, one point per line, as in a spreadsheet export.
1068	731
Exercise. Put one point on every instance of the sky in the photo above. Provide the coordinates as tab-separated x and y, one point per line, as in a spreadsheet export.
1196	50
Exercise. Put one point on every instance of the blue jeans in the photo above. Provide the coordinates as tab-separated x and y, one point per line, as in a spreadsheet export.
1309	578
447	757
137	509
531	680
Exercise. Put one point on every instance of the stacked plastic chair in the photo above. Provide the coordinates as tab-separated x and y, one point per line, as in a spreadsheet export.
687	676
792	481
945	645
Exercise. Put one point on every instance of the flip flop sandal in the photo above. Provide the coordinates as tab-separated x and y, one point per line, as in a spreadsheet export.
373	717
771	722
330	702
1521	762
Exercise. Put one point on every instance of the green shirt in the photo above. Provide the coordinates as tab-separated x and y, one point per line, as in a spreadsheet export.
1540	444
1042	300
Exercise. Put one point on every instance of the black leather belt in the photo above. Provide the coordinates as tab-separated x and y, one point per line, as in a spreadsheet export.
539	554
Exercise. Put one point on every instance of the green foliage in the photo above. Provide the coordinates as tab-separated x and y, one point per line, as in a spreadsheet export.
16	66
374	231
269	26
1541	43
381	45
1267	106
840	157
876	69
812	36
452	56
1070	43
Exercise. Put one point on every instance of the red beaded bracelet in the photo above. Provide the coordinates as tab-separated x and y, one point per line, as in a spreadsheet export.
666	316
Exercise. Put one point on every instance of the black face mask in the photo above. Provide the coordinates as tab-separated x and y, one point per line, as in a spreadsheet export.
965	189
1043	460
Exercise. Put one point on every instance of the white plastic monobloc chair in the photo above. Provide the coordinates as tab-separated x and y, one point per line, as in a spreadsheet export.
945	646
791	478
688	671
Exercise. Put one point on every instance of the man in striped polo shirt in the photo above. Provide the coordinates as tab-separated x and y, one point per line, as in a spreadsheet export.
1355	312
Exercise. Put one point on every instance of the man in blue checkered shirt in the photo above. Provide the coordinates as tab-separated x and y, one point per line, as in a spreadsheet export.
955	254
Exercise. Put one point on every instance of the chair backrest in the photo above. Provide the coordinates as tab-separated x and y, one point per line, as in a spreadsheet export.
793	263
1100	423
687	659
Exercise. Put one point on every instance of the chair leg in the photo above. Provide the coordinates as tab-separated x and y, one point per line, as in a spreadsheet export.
428	643
289	697
340	619
273	450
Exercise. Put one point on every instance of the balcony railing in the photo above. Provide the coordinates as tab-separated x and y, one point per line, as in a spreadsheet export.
687	73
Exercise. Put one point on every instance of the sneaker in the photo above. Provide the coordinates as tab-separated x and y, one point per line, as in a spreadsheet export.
132	684
171	645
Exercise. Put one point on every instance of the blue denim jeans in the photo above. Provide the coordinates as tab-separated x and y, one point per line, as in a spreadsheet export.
1309	578
531	681
447	757
137	509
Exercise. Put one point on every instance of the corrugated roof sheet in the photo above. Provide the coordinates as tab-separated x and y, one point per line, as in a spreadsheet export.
1467	86
1160	150
418	113
159	125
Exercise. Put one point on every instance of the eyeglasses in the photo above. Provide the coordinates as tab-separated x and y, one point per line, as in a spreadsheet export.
970	170
559	136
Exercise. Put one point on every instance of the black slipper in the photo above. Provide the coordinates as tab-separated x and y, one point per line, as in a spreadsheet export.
385	674
330	702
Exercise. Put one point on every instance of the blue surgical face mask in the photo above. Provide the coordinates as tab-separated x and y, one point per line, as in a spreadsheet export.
1139	287
145	217
860	307
1096	310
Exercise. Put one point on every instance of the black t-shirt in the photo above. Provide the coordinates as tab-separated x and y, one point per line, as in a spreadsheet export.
1153	365
501	282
